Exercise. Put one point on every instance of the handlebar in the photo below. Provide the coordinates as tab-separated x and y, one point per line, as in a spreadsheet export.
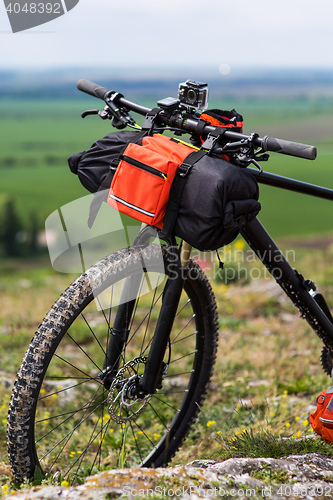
93	89
190	123
289	148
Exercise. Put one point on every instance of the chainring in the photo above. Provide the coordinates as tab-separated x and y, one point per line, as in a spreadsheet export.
123	406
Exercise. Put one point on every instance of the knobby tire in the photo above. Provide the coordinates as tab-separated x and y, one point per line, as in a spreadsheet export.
60	420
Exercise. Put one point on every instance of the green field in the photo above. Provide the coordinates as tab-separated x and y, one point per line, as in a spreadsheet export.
38	137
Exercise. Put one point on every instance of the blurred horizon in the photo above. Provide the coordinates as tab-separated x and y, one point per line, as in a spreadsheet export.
238	81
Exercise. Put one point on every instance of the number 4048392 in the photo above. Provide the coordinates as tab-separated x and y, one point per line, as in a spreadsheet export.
34	8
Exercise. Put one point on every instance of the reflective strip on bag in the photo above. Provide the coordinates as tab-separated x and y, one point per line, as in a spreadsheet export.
129	205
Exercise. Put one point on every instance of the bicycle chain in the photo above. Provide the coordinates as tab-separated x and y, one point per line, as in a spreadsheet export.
113	400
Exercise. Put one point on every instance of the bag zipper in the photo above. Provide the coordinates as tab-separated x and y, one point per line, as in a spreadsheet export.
142	166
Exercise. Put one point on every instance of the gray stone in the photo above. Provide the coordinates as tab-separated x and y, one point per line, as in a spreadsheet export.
306	476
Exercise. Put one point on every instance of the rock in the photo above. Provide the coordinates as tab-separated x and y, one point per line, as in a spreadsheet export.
203	464
308	476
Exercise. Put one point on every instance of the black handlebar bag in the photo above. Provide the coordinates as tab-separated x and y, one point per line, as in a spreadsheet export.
93	166
210	197
217	198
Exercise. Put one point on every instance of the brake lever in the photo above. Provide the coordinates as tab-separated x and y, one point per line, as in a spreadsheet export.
105	114
245	159
89	112
256	164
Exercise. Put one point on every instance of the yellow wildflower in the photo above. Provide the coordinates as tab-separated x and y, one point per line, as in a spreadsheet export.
239	245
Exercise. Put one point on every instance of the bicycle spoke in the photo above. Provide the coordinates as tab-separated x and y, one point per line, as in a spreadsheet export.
178	374
136	442
68	435
86	354
73	366
80	460
184	338
48	419
144	319
158	416
147	325
59	391
84	407
54	377
167	404
92	332
181	331
183	357
99	451
136	303
82	455
143	432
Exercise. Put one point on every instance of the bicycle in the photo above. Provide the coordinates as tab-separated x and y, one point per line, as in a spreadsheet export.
101	385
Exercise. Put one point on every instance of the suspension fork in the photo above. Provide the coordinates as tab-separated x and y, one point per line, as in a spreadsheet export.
310	303
170	301
120	330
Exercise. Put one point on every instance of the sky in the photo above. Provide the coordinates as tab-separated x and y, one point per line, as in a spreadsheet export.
222	34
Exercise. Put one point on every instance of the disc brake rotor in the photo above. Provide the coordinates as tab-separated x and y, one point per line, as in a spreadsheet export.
123	404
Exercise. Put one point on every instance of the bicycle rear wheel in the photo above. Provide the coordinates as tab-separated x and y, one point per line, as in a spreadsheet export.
63	419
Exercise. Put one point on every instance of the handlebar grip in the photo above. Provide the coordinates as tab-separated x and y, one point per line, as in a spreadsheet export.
92	89
289	148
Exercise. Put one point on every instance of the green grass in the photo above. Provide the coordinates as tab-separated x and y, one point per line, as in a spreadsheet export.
264	444
285	213
40	190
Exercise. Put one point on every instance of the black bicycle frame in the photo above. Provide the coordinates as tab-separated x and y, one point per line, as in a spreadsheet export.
302	293
291	184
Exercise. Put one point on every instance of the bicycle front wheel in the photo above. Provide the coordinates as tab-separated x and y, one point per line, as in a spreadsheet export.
63	419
